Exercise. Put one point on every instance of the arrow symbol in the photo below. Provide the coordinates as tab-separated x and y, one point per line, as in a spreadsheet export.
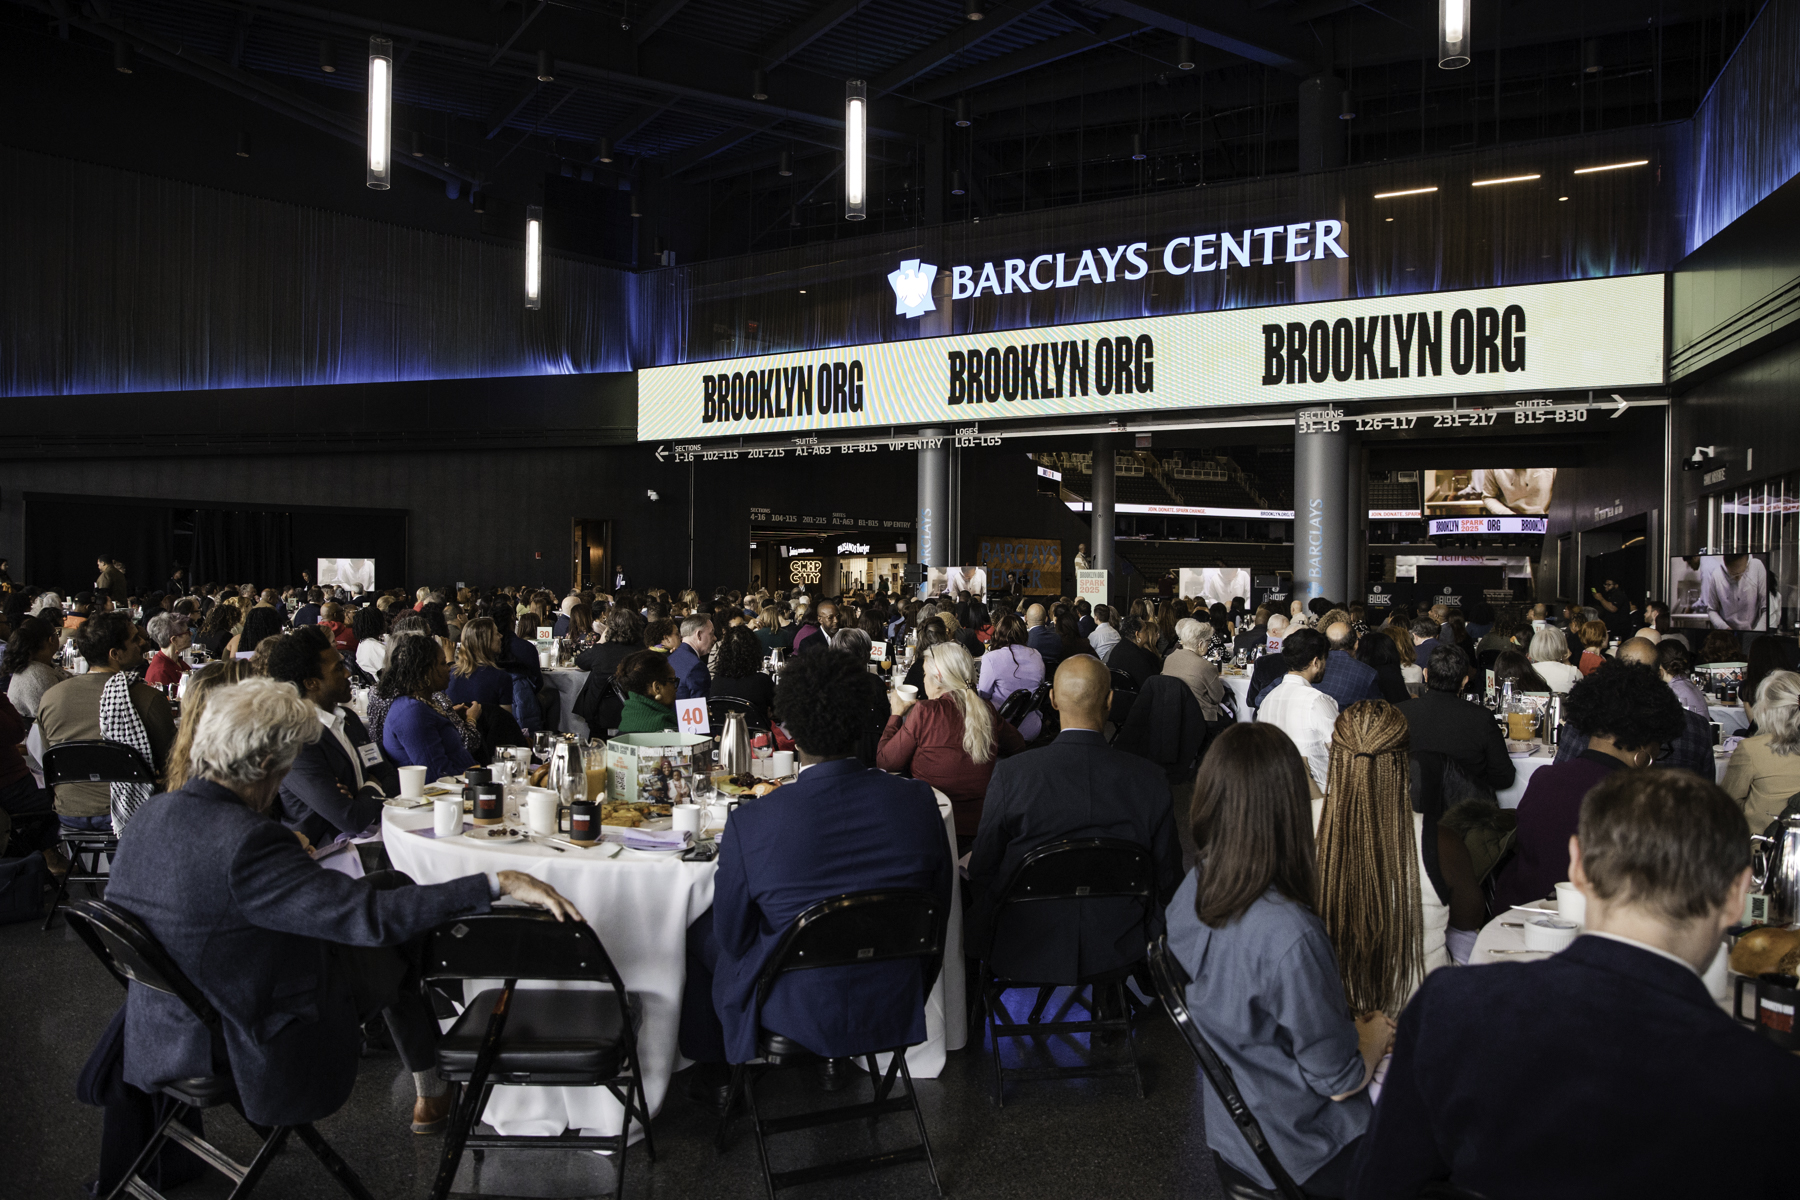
1619	411
660	452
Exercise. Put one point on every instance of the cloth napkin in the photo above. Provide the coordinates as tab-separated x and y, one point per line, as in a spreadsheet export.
650	839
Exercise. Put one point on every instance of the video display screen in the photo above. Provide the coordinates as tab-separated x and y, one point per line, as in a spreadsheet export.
354	575
1215	585
1524	492
1723	591
954	582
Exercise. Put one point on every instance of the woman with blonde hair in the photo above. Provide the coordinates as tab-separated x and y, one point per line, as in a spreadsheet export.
1392	881
213	675
478	677
1764	771
951	739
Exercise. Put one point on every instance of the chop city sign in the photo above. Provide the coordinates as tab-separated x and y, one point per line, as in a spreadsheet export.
1255	245
1593	333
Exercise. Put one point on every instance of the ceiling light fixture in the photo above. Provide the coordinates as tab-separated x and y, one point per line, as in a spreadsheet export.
1184	53
1408	192
1507	179
1346	107
418	147
1453	34
784	165
327	60
759	85
243	146
962	112
1562	198
534	251
381	113
972	10
122	57
1637	162
478	201
1137	148
856	149
956	184
604	151
546	67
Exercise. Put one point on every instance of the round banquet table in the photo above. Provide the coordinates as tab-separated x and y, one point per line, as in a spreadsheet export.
1240	694
1500	934
1525	766
568	682
1731	719
640	905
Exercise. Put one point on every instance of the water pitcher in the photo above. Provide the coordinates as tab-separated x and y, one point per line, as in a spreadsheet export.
734	745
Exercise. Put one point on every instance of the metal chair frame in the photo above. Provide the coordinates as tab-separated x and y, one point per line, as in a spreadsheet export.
796	944
84	848
1000	1023
530	958
132	954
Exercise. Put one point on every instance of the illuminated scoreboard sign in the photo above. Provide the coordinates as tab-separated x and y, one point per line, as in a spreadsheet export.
1452	526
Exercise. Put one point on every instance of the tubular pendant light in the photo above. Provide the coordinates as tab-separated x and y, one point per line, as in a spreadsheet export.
1184	53
956	183
1346	107
1453	34
478	201
546	71
605	148
381	113
1137	148
243	143
962	112
784	166
534	256
972	10
122	57
759	85
418	145
327	60
856	124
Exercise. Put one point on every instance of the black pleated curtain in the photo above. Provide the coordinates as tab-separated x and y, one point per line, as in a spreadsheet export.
244	546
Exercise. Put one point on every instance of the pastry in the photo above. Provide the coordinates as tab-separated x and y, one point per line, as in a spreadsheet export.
1766	949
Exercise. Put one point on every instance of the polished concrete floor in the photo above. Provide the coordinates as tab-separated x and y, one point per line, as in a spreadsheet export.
1076	1138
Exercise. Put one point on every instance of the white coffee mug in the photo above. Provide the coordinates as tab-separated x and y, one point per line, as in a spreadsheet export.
540	811
1571	903
685	818
412	783
446	815
503	771
783	764
1718	974
1549	933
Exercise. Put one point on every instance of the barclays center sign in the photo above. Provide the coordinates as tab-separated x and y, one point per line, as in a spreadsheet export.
1250	248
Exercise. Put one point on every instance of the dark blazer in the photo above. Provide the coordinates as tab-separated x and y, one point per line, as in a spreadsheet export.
1249	639
1606	1070
249	917
1076	787
524	653
1044	639
1441	723
1392	684
1269	670
840	827
690	671
307	614
1422	651
1134	660
605	658
309	800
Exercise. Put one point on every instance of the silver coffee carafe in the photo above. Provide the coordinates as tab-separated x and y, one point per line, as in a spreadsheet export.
734	745
566	767
1776	871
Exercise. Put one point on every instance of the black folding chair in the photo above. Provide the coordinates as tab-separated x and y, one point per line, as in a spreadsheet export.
852	930
1071	873
133	955
1017	706
93	761
535	1037
1171	985
1125	694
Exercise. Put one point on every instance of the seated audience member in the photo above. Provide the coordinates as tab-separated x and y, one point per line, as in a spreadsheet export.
1265	987
1691	749
1135	652
1008	666
1674	662
740	675
932	632
1442	722
170	635
478	677
1764	771
1069	638
1768	654
1549	655
28	808
521	648
1594	637
1076	787
30	665
1297	707
259	623
1410	669
224	889
1662	860
217	629
1626	716
951	739
960	633
650	686
1721	646
1393	884
1346	679
1515	668
1042	637
331	617
1376	650
662	636
874	707
109	701
840	827
1250	636
1103	637
621	637
81	607
309	613
370	625
214	675
416	727
688	659
1187	662
337	783
1424	632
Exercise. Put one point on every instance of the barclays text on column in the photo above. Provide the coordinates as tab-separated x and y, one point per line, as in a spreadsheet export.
1394	346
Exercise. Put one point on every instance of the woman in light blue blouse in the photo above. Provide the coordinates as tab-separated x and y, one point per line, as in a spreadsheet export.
1266	990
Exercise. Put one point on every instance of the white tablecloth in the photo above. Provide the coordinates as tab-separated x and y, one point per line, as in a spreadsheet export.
568	682
1240	692
1525	768
1507	932
640	906
1731	718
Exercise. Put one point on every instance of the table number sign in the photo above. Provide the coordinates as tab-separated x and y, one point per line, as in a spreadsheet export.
691	716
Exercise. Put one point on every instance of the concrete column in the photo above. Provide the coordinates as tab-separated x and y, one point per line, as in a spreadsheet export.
1356	555
1321	527
932	528
1100	539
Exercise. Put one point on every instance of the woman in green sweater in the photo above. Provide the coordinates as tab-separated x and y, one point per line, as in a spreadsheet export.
649	682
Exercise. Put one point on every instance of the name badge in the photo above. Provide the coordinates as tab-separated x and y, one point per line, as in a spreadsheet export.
370	754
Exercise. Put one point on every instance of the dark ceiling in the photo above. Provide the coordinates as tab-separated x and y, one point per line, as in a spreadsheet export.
1059	95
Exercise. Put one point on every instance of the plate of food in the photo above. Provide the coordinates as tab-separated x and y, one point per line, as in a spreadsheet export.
407	801
493	835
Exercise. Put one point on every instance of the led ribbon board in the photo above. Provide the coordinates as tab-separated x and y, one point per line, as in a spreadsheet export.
1444	526
1591	333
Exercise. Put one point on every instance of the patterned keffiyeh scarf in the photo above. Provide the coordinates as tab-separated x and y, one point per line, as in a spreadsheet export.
120	722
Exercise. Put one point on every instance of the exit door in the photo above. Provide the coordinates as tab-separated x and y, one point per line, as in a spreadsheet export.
591	554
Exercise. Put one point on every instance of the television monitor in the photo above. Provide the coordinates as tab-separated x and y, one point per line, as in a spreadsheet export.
354	575
1215	585
1522	492
1723	591
954	581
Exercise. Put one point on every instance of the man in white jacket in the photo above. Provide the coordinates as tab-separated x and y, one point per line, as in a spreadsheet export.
1299	709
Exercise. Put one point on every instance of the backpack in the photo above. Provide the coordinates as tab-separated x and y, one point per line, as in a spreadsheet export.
23	882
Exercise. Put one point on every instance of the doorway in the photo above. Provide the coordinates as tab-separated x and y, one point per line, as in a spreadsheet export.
591	554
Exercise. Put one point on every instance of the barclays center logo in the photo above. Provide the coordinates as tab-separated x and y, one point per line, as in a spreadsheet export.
912	288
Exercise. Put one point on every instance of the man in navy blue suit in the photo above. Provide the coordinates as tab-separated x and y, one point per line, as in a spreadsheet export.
295	957
688	660
1606	1070
840	827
